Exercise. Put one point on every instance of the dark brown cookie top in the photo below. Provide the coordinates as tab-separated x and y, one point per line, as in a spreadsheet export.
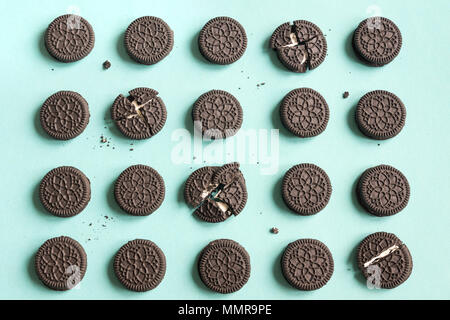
224	266
383	190
304	112
199	186
139	190
140	265
306	189
61	263
377	40
300	46
69	38
380	115
141	115
222	40
217	114
307	264
148	40
384	260
227	174
64	115
65	191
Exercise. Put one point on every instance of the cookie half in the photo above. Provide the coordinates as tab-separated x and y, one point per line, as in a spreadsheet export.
384	260
224	266
64	115
65	191
306	189
222	40
69	38
383	190
304	112
377	41
307	264
217	114
140	265
148	40
141	115
61	263
380	115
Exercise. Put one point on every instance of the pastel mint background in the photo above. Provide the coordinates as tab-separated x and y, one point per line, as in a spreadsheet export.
420	76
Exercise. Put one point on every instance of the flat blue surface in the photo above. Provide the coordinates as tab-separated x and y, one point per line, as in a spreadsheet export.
419	76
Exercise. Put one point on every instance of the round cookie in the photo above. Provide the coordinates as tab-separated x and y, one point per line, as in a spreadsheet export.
148	40
141	115
304	112
377	41
64	115
140	265
61	263
139	190
383	190
224	266
65	191
69	38
384	260
222	40
306	189
380	115
300	46
307	264
217	114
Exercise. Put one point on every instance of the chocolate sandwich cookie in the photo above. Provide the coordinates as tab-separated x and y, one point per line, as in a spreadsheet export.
383	190
304	112
300	46
384	260
148	40
380	115
216	192
139	190
224	266
217	114
64	115
140	265
141	115
61	263
306	189
65	191
222	40
69	38
377	41
307	264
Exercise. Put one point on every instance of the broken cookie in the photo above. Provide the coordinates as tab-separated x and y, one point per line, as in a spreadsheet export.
300	46
216	192
141	115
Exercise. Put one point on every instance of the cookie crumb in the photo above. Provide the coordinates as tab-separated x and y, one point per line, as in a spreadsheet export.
345	95
274	230
106	65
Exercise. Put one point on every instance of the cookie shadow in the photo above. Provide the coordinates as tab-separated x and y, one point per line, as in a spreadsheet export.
277	124
188	122
351	121
120	45
195	51
196	275
112	203
352	261
37	202
355	198
273	55
349	48
112	275
32	270
278	273
43	49
278	198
